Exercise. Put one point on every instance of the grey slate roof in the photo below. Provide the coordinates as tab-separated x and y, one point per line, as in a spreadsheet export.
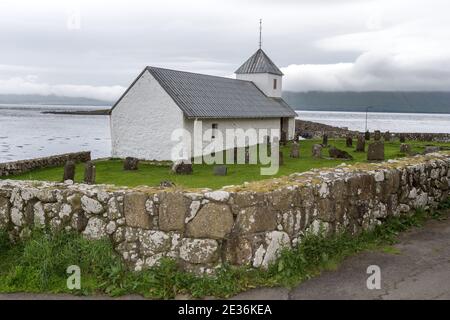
205	96
259	62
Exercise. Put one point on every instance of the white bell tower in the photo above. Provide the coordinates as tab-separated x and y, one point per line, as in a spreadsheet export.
262	72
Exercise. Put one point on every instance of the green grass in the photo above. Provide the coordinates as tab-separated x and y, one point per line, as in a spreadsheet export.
38	264
111	172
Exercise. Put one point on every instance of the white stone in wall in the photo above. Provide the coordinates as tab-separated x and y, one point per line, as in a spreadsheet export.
379	176
110	227
193	209
276	241
16	216
198	250
219	195
90	205
39	214
113	211
95	229
259	256
65	211
323	191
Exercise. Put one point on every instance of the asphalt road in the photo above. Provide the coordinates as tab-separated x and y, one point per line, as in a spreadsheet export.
419	269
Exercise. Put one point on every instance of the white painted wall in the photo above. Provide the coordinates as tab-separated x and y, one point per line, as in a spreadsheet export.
143	121
291	128
264	81
224	124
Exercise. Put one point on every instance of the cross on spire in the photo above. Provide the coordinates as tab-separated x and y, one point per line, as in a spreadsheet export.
260	32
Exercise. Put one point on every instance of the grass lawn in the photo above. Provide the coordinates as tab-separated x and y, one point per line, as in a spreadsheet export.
111	171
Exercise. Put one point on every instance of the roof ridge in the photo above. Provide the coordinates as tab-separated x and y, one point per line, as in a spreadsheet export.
197	73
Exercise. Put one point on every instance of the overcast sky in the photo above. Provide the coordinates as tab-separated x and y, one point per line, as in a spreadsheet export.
96	48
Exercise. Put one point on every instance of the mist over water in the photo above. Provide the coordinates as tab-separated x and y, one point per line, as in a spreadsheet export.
25	132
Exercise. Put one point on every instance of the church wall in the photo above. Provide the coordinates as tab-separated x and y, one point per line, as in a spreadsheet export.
224	124
143	121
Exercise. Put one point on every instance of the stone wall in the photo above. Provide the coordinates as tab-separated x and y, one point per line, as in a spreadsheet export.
241	225
309	129
22	166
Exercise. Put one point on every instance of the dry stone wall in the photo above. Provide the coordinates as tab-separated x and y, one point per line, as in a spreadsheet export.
22	166
240	225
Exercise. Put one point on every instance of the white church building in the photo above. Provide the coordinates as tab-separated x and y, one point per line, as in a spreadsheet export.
160	101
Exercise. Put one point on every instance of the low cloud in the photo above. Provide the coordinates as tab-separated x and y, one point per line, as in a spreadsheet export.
31	85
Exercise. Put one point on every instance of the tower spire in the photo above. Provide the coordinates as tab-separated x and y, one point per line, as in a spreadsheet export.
260	33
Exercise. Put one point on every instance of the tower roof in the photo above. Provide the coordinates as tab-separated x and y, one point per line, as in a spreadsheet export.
259	62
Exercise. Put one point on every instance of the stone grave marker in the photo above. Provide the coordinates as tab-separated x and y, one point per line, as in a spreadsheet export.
220	170
182	167
349	141
361	144
130	163
375	151
89	173
69	171
317	151
295	150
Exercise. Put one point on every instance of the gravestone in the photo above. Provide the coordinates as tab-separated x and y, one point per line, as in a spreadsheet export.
325	140
182	167
89	173
317	151
247	154
349	141
361	144
220	170
295	150
280	158
283	138
387	136
405	148
367	135
377	135
339	154
375	152
69	171
166	184
402	138
130	163
431	149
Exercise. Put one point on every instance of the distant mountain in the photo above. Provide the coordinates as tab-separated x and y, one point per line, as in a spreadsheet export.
379	101
50	100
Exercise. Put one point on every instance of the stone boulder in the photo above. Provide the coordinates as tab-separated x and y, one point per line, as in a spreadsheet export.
135	212
213	221
387	136
182	167
172	211
375	151
339	154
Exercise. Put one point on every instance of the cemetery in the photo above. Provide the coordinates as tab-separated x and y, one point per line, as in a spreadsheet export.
297	157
